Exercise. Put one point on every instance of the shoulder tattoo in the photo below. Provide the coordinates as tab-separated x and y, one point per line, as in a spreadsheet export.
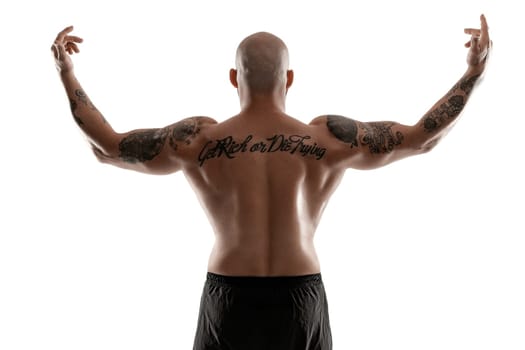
344	129
184	132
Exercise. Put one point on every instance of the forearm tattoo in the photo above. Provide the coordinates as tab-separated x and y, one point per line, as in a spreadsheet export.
141	146
73	105
84	99
378	136
449	110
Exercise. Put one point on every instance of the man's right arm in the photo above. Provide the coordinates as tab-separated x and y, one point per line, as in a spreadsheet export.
375	144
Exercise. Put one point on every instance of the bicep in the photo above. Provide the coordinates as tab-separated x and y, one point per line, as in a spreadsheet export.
147	150
156	151
152	151
143	150
369	145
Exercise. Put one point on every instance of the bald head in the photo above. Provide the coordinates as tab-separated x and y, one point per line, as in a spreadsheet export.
262	62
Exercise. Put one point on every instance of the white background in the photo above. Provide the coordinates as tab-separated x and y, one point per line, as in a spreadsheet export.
427	253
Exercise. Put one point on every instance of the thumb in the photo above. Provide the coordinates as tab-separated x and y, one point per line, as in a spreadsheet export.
59	51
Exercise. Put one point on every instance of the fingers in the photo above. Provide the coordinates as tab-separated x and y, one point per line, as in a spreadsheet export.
485	40
484	25
71	44
71	48
66	43
479	36
472	31
64	38
474	42
63	33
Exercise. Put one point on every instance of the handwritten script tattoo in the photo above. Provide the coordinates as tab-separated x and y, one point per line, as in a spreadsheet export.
378	136
343	128
229	147
450	109
141	146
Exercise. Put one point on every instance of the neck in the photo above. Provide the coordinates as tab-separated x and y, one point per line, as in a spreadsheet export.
269	101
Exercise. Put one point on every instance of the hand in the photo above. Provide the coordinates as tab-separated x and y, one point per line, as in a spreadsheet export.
479	44
64	46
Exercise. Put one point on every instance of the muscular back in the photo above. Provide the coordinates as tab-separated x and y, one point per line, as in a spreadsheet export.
263	182
263	177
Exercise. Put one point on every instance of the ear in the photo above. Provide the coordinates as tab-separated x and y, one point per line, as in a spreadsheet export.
233	78
289	78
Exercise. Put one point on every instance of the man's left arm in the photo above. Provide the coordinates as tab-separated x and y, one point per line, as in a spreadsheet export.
100	134
153	151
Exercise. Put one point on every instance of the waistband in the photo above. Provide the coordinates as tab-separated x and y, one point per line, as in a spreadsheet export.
265	282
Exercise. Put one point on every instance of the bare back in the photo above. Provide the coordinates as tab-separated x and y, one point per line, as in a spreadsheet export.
263	177
263	182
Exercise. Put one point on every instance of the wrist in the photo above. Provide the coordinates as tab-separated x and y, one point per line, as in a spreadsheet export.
475	69
66	73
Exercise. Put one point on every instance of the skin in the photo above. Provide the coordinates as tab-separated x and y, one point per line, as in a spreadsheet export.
263	177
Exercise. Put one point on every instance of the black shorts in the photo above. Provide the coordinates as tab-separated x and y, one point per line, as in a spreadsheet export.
263	313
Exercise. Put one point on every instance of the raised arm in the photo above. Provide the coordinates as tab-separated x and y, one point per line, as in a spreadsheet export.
155	151
374	144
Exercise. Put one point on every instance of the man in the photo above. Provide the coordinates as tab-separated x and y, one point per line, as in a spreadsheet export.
264	179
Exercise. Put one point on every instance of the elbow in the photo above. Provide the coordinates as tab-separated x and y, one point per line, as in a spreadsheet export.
100	154
429	145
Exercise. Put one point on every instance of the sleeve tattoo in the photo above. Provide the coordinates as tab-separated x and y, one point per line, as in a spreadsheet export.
378	136
456	99
141	146
81	97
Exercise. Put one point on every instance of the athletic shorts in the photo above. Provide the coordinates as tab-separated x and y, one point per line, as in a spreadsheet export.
263	313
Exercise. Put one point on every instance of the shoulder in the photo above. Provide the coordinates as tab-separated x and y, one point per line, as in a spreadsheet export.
343	128
340	133
185	131
204	120
194	121
332	120
318	120
190	126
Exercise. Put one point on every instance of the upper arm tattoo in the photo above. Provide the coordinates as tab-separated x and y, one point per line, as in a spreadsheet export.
378	136
141	146
184	131
344	129
456	99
